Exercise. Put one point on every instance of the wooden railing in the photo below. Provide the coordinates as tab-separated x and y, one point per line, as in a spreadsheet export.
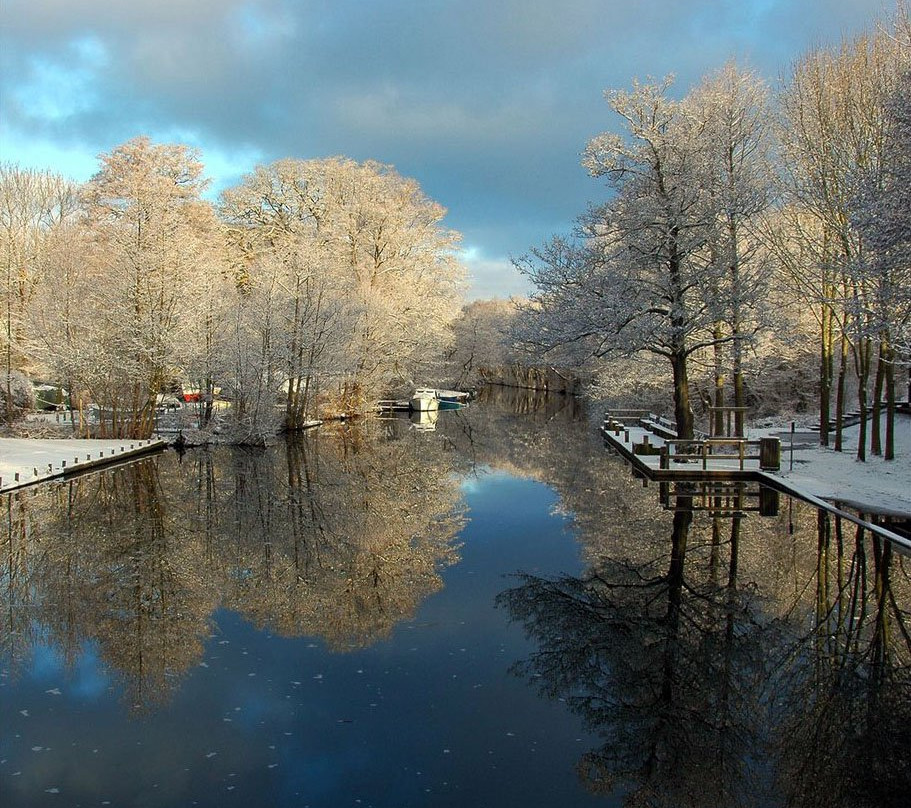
766	450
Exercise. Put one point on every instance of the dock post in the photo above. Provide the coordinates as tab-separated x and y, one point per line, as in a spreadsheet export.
769	454
664	457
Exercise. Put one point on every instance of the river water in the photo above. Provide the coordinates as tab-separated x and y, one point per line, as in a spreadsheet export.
485	610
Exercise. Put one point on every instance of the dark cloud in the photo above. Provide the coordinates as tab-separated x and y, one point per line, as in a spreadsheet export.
488	103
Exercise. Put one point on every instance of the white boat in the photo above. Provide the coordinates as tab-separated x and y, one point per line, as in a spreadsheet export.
424	400
453	395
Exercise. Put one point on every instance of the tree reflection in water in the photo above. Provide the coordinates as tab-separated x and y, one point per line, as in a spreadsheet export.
340	538
701	684
666	667
842	702
720	658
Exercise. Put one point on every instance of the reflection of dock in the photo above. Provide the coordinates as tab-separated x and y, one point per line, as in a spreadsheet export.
720	498
26	461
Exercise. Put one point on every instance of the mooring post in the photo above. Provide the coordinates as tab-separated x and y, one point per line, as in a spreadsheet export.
769	454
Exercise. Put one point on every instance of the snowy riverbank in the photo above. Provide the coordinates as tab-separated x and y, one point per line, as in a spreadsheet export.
874	485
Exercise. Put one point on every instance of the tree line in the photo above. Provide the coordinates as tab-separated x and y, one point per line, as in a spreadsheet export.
744	222
318	283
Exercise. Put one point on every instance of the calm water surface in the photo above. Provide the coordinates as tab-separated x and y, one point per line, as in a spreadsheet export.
487	610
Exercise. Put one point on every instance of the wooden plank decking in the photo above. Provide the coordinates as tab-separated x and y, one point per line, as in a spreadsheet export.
26	461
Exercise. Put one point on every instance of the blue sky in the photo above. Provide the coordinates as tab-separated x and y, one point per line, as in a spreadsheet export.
487	103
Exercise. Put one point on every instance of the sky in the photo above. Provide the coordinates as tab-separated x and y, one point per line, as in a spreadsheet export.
488	104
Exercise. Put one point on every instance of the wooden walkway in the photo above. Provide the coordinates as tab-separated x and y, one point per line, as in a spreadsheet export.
26	461
650	459
652	447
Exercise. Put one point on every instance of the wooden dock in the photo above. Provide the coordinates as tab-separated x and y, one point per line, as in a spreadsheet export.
660	455
652	459
27	461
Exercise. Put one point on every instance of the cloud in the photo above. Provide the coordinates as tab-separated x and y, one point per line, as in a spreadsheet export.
487	104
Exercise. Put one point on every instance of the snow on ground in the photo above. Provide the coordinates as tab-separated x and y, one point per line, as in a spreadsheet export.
876	484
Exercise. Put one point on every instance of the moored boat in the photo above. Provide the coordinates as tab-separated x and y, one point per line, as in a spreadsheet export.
424	400
453	395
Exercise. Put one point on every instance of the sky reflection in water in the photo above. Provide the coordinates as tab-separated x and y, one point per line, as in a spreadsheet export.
252	629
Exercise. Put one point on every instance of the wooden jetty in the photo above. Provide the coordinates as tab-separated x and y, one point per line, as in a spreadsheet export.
27	461
703	460
651	445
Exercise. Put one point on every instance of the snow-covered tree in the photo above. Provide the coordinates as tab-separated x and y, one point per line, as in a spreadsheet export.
733	107
640	278
32	205
132	306
833	134
370	280
882	215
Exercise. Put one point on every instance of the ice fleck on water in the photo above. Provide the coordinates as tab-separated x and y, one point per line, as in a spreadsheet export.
271	765
54	691
211	754
54	790
24	712
37	748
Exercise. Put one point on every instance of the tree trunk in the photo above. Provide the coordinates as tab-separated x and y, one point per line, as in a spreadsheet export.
717	421
890	401
862	367
876	446
840	393
825	374
683	412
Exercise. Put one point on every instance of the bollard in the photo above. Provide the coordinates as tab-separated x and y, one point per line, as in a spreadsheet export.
16	476
769	454
664	460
